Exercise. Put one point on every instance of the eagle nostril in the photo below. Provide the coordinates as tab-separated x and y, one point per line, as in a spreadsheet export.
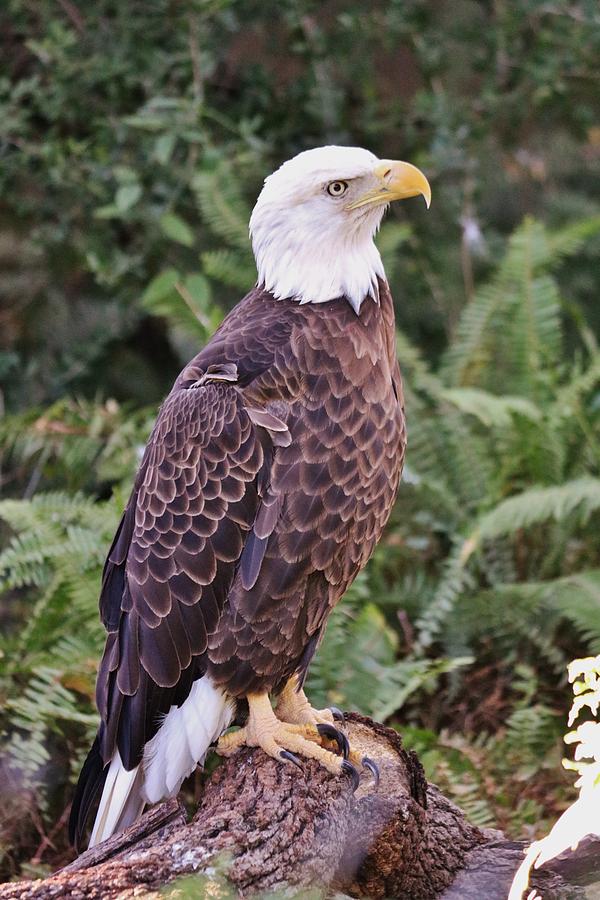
387	173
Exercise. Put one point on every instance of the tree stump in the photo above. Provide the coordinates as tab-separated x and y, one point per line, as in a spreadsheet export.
284	827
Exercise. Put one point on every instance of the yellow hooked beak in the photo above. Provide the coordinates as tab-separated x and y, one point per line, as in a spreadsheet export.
398	180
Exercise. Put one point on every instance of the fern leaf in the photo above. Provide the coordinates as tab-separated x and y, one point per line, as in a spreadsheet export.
511	328
455	580
538	505
569	239
230	267
491	410
471	350
223	208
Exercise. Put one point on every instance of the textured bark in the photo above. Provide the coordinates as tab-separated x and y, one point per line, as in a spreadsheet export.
490	868
284	827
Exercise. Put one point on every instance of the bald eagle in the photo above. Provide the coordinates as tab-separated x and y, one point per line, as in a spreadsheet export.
264	487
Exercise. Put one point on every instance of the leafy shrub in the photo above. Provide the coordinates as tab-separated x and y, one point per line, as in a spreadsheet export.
131	154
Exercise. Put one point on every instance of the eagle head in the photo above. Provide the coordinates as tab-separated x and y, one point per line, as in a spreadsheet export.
313	225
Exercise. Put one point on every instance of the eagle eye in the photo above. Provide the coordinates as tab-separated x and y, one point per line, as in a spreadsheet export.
337	188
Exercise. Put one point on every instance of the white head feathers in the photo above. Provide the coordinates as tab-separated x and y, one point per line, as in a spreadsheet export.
308	245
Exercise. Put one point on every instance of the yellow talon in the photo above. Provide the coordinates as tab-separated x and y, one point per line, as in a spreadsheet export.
281	740
293	706
297	730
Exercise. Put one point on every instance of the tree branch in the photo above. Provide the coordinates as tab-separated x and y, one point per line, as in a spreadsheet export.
282	827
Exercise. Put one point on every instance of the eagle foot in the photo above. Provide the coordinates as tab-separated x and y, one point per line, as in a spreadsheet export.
372	767
293	706
290	757
349	769
288	741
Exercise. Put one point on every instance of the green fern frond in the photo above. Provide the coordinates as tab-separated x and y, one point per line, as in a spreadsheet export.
356	666
529	614
47	683
491	410
533	341
45	701
468	358
230	267
510	618
468	793
575	389
24	561
454	582
576	598
50	527
223	208
418	378
539	504
446	451
58	551
45	706
75	443
54	506
567	240
532	730
511	329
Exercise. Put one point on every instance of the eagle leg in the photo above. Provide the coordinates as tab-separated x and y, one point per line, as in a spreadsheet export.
293	706
283	740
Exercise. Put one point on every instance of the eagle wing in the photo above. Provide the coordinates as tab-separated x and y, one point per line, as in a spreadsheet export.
174	556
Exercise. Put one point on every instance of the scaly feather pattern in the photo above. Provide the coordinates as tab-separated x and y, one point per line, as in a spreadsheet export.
265	485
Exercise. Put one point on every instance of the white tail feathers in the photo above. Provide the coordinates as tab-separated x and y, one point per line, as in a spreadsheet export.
180	743
183	739
121	802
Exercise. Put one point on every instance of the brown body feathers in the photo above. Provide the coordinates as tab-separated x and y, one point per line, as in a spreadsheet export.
267	480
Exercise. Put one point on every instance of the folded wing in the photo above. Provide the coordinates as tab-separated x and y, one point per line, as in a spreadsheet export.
196	498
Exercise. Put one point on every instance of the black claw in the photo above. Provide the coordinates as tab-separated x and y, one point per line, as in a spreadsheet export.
290	757
337	714
349	769
334	734
373	769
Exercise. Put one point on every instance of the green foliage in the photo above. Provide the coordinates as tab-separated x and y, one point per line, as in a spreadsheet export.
498	777
129	149
491	555
513	476
74	444
214	883
184	301
537	505
511	329
499	515
131	156
49	647
357	666
51	567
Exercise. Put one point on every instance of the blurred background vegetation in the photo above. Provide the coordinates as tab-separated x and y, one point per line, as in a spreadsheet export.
134	137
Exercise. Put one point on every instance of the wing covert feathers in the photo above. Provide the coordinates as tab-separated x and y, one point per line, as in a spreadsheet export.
175	555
